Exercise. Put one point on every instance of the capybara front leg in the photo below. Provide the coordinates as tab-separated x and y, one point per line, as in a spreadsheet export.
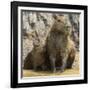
64	64
52	62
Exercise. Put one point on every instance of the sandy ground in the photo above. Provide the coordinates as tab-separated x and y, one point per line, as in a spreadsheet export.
31	73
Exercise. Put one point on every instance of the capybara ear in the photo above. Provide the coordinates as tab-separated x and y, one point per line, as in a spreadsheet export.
55	16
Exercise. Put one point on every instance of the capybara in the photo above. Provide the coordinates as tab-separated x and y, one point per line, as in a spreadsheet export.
37	59
60	47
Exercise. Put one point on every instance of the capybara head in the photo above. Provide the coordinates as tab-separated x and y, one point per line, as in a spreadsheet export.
60	26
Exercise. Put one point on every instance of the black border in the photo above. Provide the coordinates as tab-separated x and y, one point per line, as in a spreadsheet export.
14	43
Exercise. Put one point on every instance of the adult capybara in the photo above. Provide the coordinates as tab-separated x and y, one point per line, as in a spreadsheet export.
60	47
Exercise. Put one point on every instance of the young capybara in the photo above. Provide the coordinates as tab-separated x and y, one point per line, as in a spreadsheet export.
60	47
36	59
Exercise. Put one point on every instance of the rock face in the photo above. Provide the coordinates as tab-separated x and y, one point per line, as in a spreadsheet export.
36	27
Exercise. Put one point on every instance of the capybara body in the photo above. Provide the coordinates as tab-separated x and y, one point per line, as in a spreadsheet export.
35	59
60	47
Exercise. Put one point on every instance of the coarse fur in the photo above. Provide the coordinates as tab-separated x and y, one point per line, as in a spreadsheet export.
60	47
36	59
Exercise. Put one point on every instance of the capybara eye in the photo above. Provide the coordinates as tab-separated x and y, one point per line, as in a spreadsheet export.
59	20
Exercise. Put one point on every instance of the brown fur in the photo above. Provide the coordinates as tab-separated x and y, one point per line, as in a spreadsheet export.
60	47
35	59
